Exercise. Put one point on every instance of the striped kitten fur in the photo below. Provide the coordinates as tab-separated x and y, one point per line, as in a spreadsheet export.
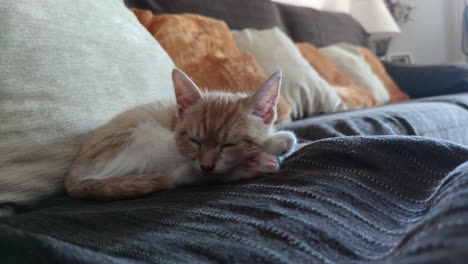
200	137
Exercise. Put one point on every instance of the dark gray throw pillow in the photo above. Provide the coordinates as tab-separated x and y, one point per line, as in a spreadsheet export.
322	28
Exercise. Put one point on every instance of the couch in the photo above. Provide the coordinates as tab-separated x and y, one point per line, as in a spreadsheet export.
380	185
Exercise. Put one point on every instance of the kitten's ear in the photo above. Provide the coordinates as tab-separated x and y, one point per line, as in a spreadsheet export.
186	91
264	101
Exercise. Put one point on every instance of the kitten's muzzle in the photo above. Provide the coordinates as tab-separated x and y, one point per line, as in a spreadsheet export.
207	168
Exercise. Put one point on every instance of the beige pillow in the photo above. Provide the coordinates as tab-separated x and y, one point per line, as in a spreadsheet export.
67	67
304	89
354	96
396	94
351	62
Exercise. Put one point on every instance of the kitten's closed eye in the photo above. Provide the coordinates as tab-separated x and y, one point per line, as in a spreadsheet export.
195	142
224	146
228	145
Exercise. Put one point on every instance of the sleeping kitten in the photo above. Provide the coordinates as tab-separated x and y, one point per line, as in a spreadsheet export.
213	136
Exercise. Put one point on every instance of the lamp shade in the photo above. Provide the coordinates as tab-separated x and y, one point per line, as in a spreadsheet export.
375	17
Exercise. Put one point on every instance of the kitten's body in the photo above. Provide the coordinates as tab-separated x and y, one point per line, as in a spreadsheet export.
152	147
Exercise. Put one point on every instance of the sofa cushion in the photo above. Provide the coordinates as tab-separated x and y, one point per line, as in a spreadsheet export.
353	95
306	92
396	94
64	71
443	117
420	81
342	200
322	28
355	66
187	38
238	14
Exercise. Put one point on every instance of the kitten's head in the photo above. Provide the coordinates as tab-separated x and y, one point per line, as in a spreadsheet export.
219	130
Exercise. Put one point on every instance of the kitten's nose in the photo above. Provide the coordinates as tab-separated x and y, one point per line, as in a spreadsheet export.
207	168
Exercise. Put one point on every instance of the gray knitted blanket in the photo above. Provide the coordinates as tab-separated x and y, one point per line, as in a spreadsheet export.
342	200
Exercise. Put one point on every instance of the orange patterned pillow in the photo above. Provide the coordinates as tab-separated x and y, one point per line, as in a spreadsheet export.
187	37
396	94
236	74
353	95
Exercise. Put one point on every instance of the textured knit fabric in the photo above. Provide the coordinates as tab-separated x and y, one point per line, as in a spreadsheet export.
444	117
341	200
66	68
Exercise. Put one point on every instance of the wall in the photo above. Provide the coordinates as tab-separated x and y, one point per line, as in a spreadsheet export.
435	34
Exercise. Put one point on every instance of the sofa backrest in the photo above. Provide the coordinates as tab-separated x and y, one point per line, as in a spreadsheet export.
301	24
322	28
238	14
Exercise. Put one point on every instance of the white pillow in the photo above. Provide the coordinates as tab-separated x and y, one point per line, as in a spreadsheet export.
350	61
305	90
67	67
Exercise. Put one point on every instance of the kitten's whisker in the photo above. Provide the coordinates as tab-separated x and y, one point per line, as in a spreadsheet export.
241	159
240	122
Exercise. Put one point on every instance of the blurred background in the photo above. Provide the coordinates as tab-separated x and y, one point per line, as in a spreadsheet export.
431	31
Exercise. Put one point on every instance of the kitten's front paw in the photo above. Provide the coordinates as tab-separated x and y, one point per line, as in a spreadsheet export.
263	163
281	143
259	165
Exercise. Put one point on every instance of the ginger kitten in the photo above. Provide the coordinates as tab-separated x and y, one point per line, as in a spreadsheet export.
200	137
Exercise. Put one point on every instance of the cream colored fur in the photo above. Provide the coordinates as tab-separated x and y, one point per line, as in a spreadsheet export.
198	138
